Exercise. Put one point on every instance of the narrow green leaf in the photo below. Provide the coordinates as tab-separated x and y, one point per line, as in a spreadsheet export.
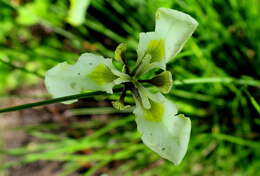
226	80
253	101
51	101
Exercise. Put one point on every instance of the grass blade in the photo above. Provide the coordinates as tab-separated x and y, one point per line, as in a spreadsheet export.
51	101
227	80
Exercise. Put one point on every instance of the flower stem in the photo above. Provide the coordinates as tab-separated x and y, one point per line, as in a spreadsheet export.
51	101
227	80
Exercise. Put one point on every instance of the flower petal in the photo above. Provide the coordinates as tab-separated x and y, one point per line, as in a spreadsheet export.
151	43
90	73
163	131
163	81
176	27
172	30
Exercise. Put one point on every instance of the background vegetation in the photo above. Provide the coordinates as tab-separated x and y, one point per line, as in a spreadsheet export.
222	99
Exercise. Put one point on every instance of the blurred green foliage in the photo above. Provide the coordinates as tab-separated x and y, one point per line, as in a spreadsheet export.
35	35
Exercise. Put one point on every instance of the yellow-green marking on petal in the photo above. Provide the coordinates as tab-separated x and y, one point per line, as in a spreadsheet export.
156	49
155	113
102	75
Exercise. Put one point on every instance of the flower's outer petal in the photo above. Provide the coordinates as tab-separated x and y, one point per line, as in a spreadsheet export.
176	27
163	131
90	73
153	44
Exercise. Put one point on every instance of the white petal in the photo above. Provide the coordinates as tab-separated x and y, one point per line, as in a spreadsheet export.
90	73
167	135
176	27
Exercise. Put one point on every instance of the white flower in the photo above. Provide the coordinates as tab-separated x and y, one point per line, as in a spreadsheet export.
162	129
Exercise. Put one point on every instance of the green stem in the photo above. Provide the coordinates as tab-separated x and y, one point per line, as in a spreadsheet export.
254	83
51	101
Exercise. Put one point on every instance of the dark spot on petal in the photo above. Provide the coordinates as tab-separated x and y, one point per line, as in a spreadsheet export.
78	73
163	149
